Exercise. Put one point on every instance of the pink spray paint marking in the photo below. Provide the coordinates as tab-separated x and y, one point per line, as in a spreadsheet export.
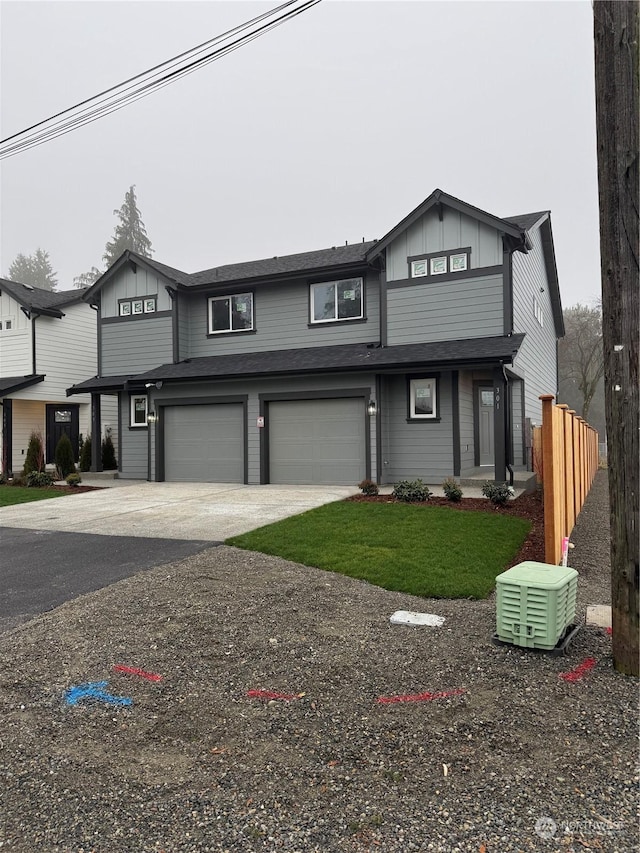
131	670
610	631
420	697
579	671
269	694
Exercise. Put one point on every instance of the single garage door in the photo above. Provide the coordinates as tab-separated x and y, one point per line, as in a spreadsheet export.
204	444
317	441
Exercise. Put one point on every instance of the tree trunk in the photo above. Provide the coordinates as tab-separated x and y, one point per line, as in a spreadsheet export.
616	78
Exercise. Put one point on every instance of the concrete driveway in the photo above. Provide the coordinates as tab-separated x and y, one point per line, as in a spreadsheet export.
195	511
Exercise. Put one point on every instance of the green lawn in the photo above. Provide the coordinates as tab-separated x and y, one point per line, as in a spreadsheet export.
10	495
432	551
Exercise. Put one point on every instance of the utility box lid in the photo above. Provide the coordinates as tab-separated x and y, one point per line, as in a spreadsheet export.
541	575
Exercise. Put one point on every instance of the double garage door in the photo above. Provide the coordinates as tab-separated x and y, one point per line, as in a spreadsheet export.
309	441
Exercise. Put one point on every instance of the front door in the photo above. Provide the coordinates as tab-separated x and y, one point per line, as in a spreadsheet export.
485	425
62	419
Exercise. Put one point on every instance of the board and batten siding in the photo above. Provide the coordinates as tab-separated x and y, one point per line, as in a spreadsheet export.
456	231
133	346
281	321
536	360
313	385
15	343
432	310
127	284
420	449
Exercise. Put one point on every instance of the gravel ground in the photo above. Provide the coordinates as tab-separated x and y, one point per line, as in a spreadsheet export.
195	764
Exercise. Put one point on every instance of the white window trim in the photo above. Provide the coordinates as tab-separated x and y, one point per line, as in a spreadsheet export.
335	301
431	380
432	261
465	259
424	264
228	331
132	410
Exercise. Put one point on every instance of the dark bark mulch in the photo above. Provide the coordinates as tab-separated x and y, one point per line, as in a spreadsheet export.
529	506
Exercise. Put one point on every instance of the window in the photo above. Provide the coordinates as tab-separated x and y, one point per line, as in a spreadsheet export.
537	311
231	313
418	268
438	265
446	262
457	263
336	300
422	399
138	306
6	324
139	411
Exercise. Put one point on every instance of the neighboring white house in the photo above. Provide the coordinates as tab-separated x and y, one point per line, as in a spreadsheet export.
48	341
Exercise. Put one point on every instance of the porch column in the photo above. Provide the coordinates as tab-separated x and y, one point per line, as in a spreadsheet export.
6	463
500	425
96	434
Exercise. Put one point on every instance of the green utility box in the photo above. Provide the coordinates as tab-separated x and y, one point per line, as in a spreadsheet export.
536	602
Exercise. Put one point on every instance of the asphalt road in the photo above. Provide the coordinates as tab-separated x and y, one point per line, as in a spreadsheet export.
41	569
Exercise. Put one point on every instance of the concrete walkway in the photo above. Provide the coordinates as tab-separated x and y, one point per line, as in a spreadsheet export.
195	511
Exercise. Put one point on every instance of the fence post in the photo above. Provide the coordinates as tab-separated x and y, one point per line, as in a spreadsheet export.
548	485
567	437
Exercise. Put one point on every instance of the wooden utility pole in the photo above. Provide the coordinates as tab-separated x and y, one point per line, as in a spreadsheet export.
616	26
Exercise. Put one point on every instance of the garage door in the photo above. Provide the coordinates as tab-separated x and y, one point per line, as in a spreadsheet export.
317	441
204	444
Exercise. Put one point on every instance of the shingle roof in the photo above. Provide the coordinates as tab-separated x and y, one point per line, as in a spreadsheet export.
9	384
526	220
101	384
37	298
281	265
347	357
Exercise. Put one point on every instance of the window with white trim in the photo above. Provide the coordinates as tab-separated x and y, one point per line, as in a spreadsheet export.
136	307
6	325
445	262
232	313
336	300
422	399
138	410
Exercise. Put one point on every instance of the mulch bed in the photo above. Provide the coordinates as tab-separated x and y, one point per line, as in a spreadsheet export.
529	506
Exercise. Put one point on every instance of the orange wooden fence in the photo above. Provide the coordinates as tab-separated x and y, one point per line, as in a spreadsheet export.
568	456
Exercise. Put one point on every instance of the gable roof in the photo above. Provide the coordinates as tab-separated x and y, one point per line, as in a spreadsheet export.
9	384
48	302
440	197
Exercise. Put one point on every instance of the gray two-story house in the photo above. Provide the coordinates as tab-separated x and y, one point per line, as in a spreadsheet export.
419	355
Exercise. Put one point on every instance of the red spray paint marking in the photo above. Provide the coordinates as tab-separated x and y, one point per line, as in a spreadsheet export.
610	631
269	694
580	670
130	670
420	697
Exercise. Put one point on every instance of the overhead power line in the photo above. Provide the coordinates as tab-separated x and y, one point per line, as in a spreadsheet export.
143	84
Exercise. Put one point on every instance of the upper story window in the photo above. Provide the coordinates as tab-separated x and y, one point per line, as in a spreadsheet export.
439	263
336	300
231	313
138	306
6	325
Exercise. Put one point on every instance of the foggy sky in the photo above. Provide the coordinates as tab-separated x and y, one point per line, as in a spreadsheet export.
329	129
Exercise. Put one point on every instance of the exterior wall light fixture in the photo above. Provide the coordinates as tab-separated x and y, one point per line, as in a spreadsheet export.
152	418
372	408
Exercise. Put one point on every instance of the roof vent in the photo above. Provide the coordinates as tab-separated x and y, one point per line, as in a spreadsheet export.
27	286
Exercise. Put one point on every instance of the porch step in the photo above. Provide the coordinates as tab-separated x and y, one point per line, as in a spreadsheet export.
522	480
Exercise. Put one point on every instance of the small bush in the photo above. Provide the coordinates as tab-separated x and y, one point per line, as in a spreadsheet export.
411	491
38	479
63	457
452	490
109	462
85	455
498	493
74	480
34	460
3	479
368	487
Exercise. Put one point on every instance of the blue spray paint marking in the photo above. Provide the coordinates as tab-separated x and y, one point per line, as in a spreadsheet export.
94	690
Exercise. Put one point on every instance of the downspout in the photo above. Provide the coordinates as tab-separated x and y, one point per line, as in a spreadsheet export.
508	438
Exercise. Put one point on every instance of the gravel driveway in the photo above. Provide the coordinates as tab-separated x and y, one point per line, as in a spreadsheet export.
522	760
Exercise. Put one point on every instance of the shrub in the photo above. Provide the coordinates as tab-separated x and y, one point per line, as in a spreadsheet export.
109	462
74	480
368	487
498	493
3	479
452	490
411	491
63	457
38	479
34	460
85	455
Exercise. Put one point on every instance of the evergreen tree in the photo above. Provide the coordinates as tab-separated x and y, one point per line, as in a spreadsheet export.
64	457
130	233
86	279
85	454
109	462
35	270
34	460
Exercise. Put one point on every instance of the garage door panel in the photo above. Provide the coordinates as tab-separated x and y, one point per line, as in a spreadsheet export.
317	441
204	444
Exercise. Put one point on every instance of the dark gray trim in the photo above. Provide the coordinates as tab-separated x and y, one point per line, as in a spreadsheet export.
478	272
153	316
293	396
523	416
346	322
33	318
96	433
98	310
500	407
162	404
507	288
172	293
455	414
423	375
445	253
6	463
126	258
384	332
477	385
379	404
120	430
